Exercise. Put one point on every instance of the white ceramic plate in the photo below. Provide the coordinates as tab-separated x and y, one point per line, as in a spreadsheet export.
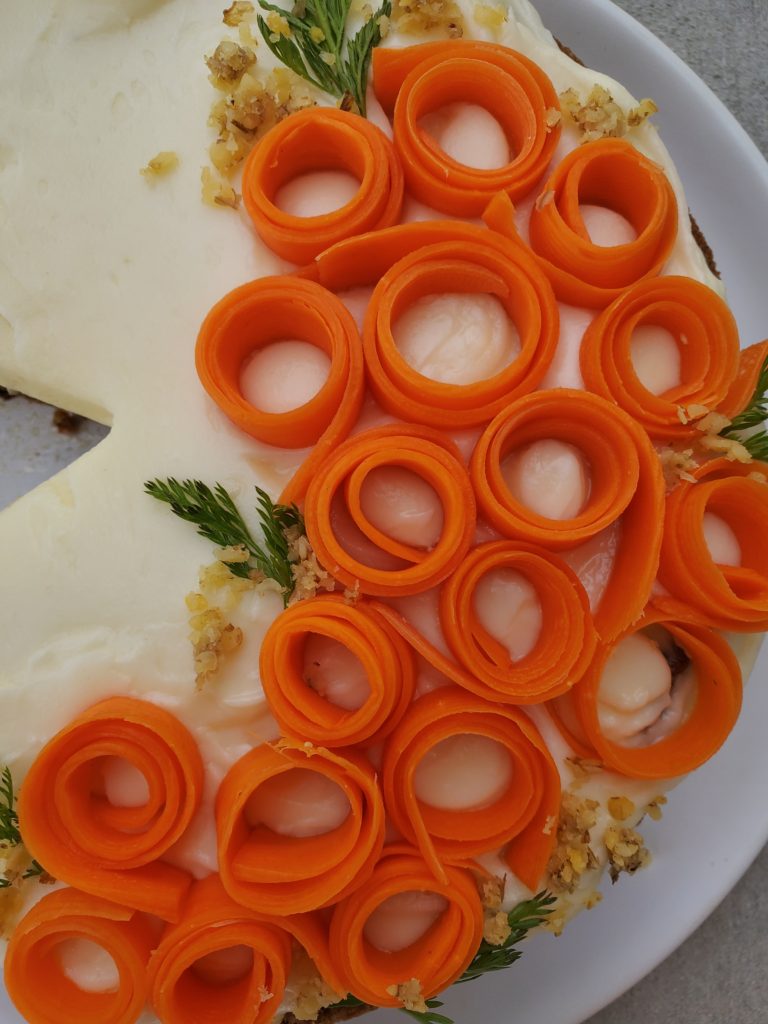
716	822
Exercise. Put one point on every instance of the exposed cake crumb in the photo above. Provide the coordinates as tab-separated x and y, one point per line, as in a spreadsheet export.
627	851
228	63
620	808
573	855
654	808
600	116
238	12
412	17
66	422
409	994
160	165
678	465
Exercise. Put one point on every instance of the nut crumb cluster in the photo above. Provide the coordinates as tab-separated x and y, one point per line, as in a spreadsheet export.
496	929
599	116
410	995
573	855
679	464
627	851
412	17
309	576
160	165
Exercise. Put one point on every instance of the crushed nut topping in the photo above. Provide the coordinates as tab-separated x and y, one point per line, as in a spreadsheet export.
217	191
413	17
654	808
583	767
240	11
627	851
600	116
733	450
409	994
352	594
308	575
573	855
160	165
620	808
677	466
496	928
313	993
552	118
229	62
278	26
492	892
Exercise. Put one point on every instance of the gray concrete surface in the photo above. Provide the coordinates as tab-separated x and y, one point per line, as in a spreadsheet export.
720	976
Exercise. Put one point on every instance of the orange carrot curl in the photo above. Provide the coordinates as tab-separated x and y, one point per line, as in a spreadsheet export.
518	817
423	451
566	641
613	174
272	309
742	389
707	338
317	140
387	660
85	841
731	597
418	80
280	874
437	959
35	978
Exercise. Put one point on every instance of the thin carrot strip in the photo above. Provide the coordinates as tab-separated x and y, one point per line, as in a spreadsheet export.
518	817
708	341
436	959
385	657
565	644
613	174
422	451
725	596
82	839
479	266
419	80
35	978
717	706
180	993
626	482
271	309
322	139
742	389
284	875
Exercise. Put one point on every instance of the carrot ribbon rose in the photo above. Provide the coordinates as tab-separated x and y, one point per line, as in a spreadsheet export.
421	451
281	873
518	815
112	851
419	80
725	596
37	982
436	958
706	336
322	139
386	660
613	174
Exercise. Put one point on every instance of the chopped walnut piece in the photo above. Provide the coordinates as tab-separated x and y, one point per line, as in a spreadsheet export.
733	450
713	423
308	575
238	12
160	165
278	26
600	116
217	191
496	928
620	808
229	62
552	118
653	810
626	851
313	993
413	17
352	594
385	25
678	465
410	995
583	767
212	637
492	892
646	108
573	855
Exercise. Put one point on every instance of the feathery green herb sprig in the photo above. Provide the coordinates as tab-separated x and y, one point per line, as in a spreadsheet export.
318	48
218	519
754	415
9	824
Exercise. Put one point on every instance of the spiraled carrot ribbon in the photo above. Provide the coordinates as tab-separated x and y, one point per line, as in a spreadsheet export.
742	389
725	596
322	139
700	736
708	341
480	266
272	309
436	959
626	482
419	80
563	648
35	977
386	659
422	451
109	851
518	817
609	173
280	874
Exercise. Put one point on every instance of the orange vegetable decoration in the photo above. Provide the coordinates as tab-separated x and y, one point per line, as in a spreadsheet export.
707	338
280	874
437	959
724	596
626	481
385	657
35	978
518	817
85	841
609	173
273	309
566	641
751	362
419	80
480	266
420	450
180	990
714	713
322	139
